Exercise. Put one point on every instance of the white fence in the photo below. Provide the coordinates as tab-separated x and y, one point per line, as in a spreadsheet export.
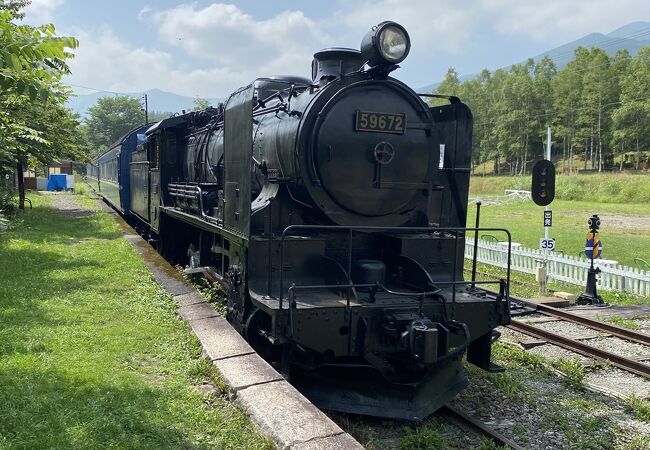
570	269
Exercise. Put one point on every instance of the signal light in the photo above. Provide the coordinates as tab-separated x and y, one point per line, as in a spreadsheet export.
543	187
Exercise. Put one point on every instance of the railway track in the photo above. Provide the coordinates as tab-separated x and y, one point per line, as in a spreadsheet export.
468	423
633	365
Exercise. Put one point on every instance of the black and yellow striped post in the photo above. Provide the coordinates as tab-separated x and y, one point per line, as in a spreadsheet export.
593	247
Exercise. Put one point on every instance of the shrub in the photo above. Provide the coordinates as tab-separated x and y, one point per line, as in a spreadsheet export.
8	200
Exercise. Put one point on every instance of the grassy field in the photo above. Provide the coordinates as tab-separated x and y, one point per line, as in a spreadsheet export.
92	354
598	188
625	229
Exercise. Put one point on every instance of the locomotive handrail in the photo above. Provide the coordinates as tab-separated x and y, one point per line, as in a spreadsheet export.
452	98
385	289
351	229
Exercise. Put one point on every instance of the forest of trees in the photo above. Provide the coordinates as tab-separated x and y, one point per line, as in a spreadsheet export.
598	107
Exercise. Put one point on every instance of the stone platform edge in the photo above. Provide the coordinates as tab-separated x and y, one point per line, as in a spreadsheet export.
276	408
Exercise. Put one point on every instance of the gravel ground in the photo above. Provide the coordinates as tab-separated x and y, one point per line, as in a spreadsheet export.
537	409
544	412
644	324
620	346
610	378
618	380
514	418
548	351
64	202
567	329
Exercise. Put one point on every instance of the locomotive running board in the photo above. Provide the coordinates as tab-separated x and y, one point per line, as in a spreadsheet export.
202	224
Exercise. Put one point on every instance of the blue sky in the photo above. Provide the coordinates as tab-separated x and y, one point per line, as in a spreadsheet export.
205	48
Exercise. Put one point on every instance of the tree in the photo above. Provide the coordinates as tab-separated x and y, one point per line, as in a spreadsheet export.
110	119
632	116
15	7
31	67
200	104
157	116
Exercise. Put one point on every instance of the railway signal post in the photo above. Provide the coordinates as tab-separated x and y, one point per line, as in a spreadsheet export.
542	192
593	247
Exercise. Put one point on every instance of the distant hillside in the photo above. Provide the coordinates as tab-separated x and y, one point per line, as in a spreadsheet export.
158	101
631	37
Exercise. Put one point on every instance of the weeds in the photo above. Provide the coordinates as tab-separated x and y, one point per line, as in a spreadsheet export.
573	370
425	437
8	201
621	322
640	408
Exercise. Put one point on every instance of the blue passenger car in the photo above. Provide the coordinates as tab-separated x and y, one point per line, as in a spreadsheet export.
111	176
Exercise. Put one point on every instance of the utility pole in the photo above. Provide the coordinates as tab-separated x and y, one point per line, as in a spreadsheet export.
547	207
145	108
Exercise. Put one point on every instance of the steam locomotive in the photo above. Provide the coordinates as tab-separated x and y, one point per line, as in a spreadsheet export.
332	212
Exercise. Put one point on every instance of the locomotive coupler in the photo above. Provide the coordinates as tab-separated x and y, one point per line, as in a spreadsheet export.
421	339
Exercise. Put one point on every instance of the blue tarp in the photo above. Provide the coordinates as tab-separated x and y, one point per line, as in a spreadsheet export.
57	182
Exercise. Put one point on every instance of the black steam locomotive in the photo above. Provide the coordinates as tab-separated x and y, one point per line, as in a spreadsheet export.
333	212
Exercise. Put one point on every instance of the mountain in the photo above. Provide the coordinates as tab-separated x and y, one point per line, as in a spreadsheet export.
631	37
157	100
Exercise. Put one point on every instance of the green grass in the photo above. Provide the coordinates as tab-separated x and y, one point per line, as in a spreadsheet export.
640	408
92	354
621	322
524	221
573	370
614	188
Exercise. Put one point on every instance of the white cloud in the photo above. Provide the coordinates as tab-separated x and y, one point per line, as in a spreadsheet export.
211	50
104	60
146	9
433	26
561	20
41	11
226	36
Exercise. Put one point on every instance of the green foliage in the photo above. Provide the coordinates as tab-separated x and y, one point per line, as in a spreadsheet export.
111	118
599	188
33	122
594	433
573	370
425	437
212	291
200	104
640	408
92	353
157	116
598	106
621	322
8	200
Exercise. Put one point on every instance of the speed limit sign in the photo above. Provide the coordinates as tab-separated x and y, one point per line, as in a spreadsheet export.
547	244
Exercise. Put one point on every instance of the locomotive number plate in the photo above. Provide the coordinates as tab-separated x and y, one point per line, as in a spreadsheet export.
380	122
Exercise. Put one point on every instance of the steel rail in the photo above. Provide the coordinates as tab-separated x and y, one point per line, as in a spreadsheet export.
614	330
581	348
623	333
466	422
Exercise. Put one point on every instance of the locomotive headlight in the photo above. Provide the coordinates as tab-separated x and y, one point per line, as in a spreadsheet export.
393	44
387	43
